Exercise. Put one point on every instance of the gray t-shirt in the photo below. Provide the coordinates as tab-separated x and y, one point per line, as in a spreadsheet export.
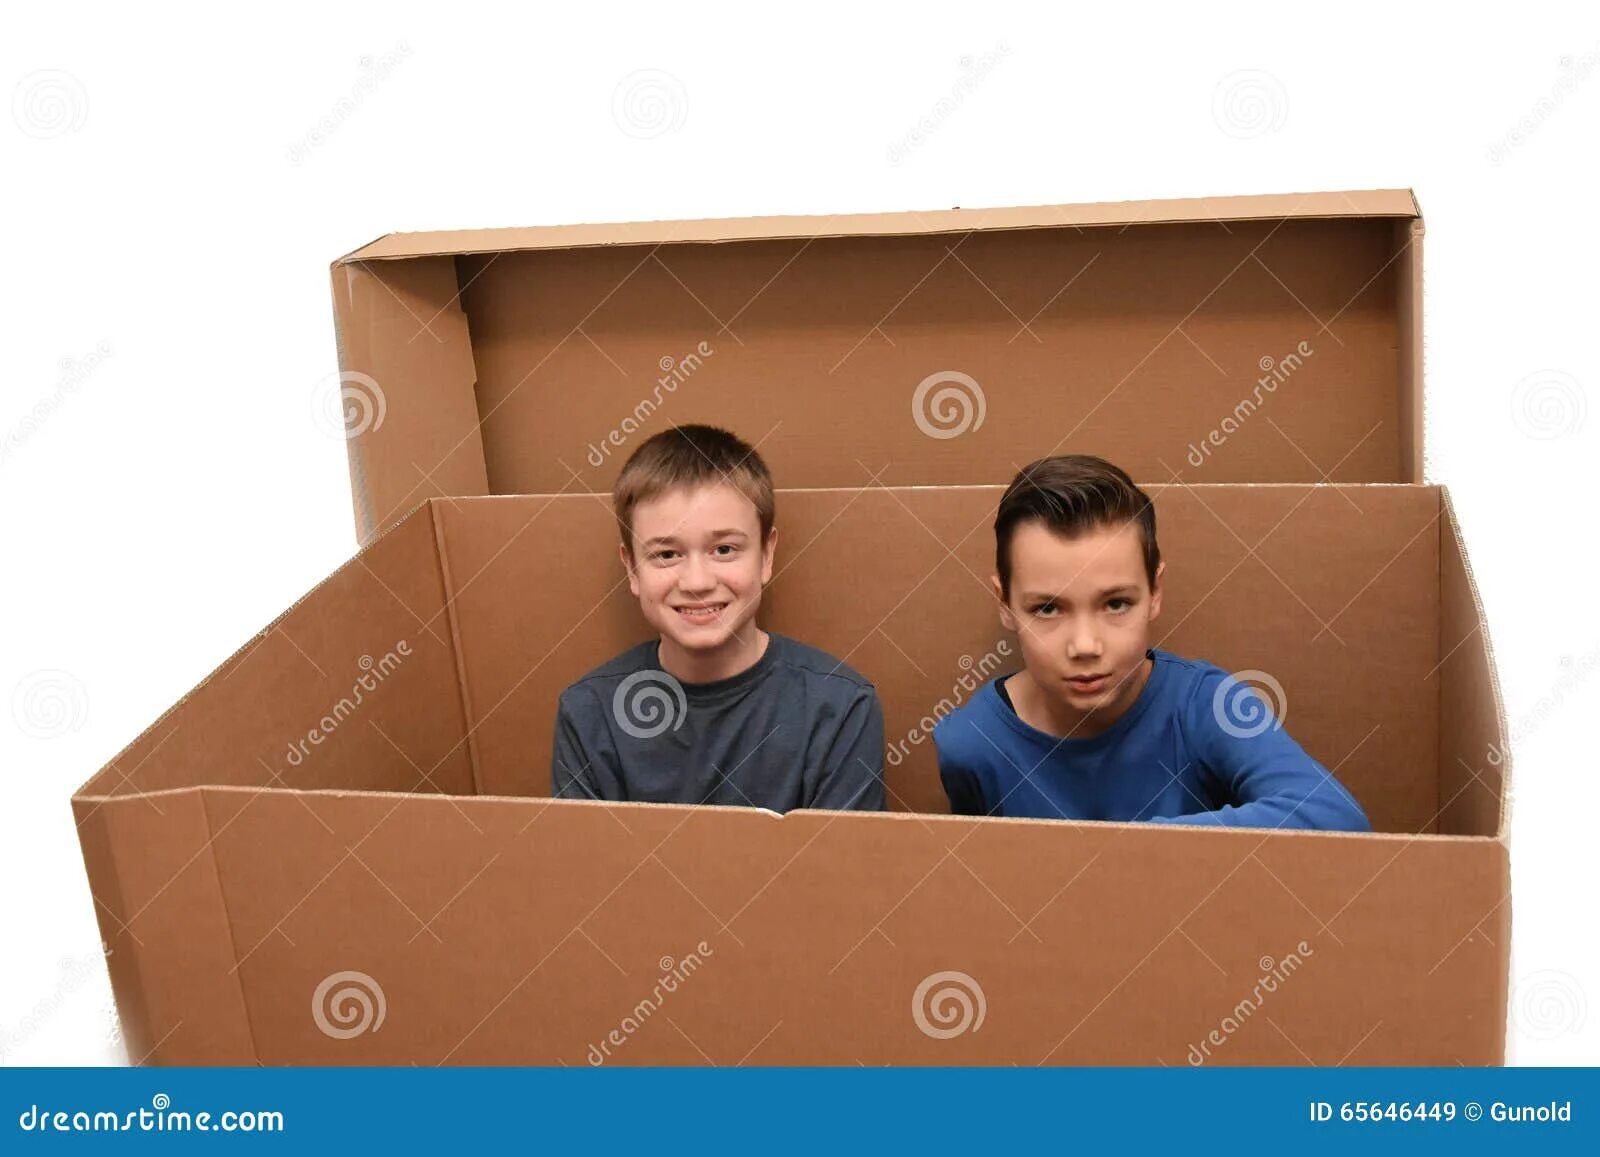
797	729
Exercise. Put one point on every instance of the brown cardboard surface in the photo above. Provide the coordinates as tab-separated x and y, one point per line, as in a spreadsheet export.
333	658
1141	329
1474	758
521	931
1355	203
503	929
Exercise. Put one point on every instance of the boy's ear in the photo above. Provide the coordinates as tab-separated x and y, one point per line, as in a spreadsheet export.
768	552
1007	619
625	553
1155	592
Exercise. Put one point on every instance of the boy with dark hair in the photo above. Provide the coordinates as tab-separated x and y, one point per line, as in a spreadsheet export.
715	710
1098	725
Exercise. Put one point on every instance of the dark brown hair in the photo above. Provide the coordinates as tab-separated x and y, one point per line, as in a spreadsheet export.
1072	494
685	457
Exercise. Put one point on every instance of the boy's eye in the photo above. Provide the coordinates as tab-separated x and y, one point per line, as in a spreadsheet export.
727	549
1045	610
1117	606
660	556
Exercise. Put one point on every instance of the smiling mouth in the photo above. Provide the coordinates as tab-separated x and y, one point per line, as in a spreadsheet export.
704	613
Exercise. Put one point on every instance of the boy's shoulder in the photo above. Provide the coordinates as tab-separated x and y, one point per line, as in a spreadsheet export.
969	723
1187	672
814	663
1202	693
601	679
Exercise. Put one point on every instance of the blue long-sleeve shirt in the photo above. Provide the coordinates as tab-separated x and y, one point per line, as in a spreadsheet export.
1189	750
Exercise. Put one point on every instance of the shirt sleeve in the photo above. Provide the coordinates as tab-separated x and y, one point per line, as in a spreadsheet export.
1268	777
961	784
852	766
573	774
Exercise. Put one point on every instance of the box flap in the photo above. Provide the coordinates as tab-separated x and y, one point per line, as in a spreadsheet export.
1231	339
1356	203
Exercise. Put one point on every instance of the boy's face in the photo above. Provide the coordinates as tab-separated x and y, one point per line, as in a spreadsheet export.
1082	609
698	565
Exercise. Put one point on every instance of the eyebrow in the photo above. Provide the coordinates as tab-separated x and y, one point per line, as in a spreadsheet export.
1056	597
672	540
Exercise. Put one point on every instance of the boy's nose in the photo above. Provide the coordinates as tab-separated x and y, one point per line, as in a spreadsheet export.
1082	644
696	575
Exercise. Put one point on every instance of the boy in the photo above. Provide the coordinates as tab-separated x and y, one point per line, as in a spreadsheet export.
1098	725
716	710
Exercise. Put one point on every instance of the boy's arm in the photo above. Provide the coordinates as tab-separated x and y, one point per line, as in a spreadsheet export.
852	772
961	785
1270	778
573	774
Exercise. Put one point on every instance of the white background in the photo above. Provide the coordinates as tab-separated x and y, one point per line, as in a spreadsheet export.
166	498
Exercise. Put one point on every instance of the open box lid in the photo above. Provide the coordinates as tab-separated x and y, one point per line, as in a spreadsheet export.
1231	339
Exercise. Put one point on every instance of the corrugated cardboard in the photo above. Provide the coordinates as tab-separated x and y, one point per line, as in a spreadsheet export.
499	361
269	841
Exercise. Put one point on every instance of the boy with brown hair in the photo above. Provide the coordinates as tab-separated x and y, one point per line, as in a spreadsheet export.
1098	725
715	710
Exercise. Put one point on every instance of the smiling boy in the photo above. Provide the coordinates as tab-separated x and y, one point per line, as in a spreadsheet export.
1098	725
715	710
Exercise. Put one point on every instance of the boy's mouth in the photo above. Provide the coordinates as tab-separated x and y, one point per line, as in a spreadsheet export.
1087	684
700	614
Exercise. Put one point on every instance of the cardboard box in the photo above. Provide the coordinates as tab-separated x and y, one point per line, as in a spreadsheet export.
335	850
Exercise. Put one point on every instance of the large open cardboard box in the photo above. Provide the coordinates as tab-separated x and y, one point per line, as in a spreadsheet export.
349	809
